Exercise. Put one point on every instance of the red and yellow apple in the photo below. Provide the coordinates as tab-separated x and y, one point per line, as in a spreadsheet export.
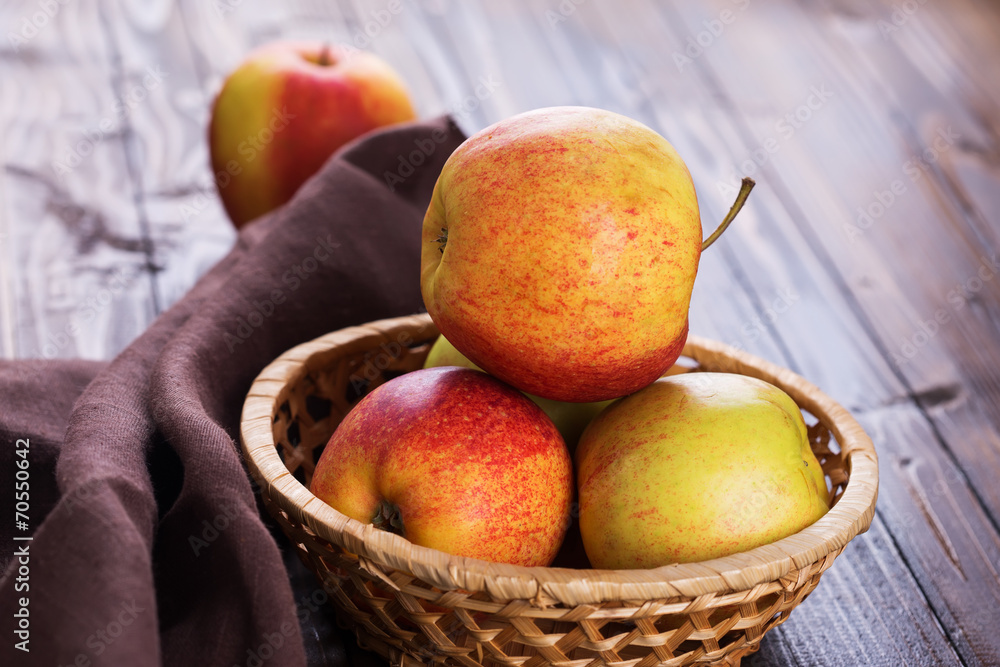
559	252
693	467
455	460
285	110
570	418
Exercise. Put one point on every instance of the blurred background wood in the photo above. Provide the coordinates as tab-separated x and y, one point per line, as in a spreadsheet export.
866	259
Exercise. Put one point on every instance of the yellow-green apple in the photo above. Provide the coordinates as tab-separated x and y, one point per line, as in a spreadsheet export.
455	460
559	252
443	353
570	418
694	467
285	110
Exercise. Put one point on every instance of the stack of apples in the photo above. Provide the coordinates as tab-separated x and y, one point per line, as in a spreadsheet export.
559	254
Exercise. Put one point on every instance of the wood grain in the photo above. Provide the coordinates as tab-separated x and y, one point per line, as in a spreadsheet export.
168	154
76	278
930	378
866	260
767	259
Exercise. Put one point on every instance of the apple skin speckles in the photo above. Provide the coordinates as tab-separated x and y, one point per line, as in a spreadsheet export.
576	235
474	467
694	467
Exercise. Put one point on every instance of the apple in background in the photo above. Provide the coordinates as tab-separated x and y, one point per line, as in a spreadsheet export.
559	252
285	110
452	459
569	418
694	467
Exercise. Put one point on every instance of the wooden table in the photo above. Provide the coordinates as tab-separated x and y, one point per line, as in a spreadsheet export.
866	259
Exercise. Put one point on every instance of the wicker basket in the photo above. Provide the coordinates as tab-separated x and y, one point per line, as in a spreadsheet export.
417	605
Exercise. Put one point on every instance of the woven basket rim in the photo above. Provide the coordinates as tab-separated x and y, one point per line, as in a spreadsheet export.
547	586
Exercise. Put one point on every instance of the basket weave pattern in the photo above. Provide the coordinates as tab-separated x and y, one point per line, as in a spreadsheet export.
416	605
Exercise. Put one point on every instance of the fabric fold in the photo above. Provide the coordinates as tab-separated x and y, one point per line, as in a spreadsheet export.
153	549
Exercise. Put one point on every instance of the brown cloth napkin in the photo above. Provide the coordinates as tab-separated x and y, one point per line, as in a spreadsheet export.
148	542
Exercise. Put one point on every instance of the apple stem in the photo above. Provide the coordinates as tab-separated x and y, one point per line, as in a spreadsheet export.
745	187
324	56
388	518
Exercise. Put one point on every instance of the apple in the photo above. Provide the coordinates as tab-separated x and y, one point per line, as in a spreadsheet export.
570	418
443	353
694	467
452	459
559	251
285	110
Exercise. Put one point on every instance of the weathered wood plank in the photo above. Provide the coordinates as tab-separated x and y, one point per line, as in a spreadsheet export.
920	61
885	295
861	601
941	529
75	278
167	139
455	45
